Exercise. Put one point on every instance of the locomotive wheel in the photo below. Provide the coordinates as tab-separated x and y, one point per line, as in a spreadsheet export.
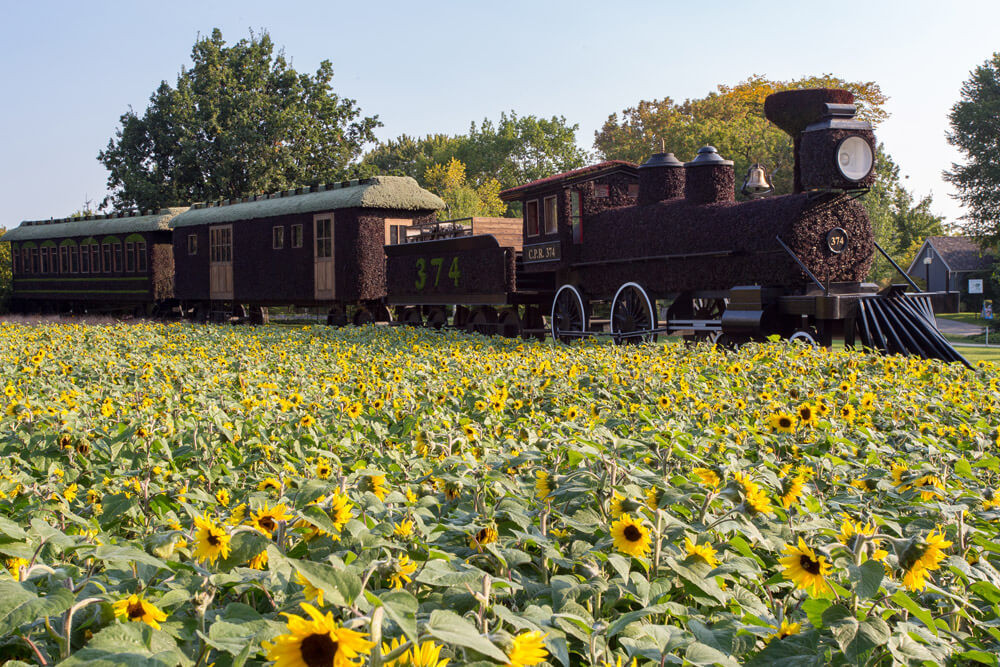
362	317
569	318
533	321
437	318
411	317
632	311
259	315
483	321
381	313
805	337
510	323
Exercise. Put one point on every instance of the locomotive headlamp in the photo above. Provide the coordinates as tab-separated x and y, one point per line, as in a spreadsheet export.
854	158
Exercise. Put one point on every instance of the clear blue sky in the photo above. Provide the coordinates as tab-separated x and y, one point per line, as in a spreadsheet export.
73	68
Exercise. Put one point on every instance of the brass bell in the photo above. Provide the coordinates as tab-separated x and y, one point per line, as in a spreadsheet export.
755	184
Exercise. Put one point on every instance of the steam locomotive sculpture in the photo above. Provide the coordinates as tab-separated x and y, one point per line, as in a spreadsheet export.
612	249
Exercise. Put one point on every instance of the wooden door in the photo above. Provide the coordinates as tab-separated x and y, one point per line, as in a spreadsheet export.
323	256
220	246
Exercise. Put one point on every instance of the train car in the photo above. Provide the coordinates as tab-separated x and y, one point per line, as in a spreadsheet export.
116	264
490	289
316	246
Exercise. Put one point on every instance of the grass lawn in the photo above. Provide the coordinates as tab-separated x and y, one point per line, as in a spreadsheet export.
966	318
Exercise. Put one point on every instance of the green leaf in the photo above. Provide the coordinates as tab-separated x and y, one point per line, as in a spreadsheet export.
906	602
119	554
51	535
11	529
719	637
19	605
339	586
623	620
867	578
979	656
963	468
401	607
129	644
814	609
450	628
700	654
244	545
114	509
800	650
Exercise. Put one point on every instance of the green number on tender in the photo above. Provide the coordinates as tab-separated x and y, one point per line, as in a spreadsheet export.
453	271
421	280
436	263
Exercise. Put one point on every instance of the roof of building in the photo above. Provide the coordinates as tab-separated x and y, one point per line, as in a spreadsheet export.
583	173
960	253
93	225
391	192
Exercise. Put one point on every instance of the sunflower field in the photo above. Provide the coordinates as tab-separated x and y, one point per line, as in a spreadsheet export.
193	495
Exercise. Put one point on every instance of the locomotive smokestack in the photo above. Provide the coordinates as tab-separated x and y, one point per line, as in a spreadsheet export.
709	179
818	119
660	177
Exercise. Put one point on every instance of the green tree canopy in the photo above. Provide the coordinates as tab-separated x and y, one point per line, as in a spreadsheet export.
730	118
975	130
514	150
900	221
239	121
464	199
6	272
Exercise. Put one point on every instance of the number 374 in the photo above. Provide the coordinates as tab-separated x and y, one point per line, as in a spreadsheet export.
436	264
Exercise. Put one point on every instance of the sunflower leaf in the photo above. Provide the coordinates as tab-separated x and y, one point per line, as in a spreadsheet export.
450	628
339	586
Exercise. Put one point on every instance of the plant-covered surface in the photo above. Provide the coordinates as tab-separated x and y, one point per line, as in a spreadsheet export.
195	495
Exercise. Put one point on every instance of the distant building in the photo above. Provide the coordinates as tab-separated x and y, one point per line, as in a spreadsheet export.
954	260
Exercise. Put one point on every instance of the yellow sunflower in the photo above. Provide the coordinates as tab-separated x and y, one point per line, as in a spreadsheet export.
703	551
528	648
222	496
791	490
930	486
806	569
484	536
544	485
266	518
354	410
375	484
269	484
401	571
403	529
806	414
782	422
340	510
921	557
630	536
319	641
324	469
784	630
308	590
135	608
211	541
708	477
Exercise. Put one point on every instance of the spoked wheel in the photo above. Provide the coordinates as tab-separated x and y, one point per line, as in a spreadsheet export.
805	337
436	318
362	317
259	315
569	318
706	309
633	315
510	323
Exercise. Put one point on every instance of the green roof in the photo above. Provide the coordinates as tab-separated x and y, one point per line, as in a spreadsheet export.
93	225
391	192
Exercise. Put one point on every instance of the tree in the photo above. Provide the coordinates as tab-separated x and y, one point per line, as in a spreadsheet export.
731	119
975	130
464	200
240	121
899	221
514	150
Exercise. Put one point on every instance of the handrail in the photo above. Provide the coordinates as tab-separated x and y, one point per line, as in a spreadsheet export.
801	265
898	267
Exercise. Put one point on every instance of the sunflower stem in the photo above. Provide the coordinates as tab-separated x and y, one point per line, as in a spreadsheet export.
657	545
